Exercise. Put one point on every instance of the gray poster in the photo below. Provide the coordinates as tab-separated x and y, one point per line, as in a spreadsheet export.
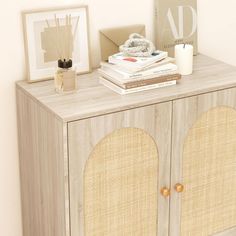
176	22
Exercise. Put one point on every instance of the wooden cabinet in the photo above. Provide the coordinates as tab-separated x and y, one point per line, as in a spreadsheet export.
156	163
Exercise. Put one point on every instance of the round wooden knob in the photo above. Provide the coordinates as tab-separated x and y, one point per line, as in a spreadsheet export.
165	192
179	188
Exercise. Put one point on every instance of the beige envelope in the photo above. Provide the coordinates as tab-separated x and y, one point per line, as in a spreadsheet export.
111	39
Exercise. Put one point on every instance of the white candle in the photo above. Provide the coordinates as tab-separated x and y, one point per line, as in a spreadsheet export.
184	58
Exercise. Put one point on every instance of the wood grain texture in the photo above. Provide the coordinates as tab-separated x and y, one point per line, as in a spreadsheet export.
94	99
185	113
229	232
85	134
43	170
52	198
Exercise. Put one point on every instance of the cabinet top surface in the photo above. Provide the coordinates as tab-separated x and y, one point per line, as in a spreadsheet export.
93	99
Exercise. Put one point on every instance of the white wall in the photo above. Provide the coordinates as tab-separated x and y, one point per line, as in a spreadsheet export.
217	37
104	13
217	29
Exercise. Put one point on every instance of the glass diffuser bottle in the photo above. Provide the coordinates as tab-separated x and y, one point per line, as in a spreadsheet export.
65	77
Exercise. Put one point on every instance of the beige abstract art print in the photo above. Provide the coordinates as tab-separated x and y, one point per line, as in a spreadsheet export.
45	42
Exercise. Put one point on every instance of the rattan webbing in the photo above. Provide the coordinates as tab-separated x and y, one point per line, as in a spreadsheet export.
209	174
120	185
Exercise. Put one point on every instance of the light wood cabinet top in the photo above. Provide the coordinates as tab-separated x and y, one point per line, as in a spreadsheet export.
93	99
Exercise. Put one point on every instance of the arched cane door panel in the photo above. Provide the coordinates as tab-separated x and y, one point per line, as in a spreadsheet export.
121	185
208	203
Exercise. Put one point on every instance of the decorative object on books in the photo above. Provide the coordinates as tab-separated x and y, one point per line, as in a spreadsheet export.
176	23
137	46
112	38
184	58
43	46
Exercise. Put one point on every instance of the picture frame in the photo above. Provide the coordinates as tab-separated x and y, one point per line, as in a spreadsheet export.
40	38
175	23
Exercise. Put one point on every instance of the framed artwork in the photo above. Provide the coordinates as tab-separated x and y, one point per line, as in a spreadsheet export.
175	23
47	36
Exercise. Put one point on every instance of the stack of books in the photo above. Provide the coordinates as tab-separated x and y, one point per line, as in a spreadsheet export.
127	75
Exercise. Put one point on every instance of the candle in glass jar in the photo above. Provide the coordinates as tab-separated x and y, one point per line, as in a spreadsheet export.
184	58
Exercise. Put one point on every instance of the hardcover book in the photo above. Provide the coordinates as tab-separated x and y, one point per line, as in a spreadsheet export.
122	69
167	69
175	23
141	83
136	62
123	91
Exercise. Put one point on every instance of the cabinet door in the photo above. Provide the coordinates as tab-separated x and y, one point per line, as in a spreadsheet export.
204	163
118	163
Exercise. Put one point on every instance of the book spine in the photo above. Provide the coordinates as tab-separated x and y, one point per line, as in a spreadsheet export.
122	91
110	72
122	81
148	87
151	81
141	83
137	76
110	78
156	72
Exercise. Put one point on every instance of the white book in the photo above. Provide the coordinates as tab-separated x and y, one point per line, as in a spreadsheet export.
136	62
132	71
122	91
122	77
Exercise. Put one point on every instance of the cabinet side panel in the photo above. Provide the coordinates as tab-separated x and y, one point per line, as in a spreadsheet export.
41	168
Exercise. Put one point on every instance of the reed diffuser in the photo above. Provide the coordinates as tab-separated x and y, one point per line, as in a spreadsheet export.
65	76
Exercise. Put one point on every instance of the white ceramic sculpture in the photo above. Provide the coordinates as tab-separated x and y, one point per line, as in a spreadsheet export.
137	46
